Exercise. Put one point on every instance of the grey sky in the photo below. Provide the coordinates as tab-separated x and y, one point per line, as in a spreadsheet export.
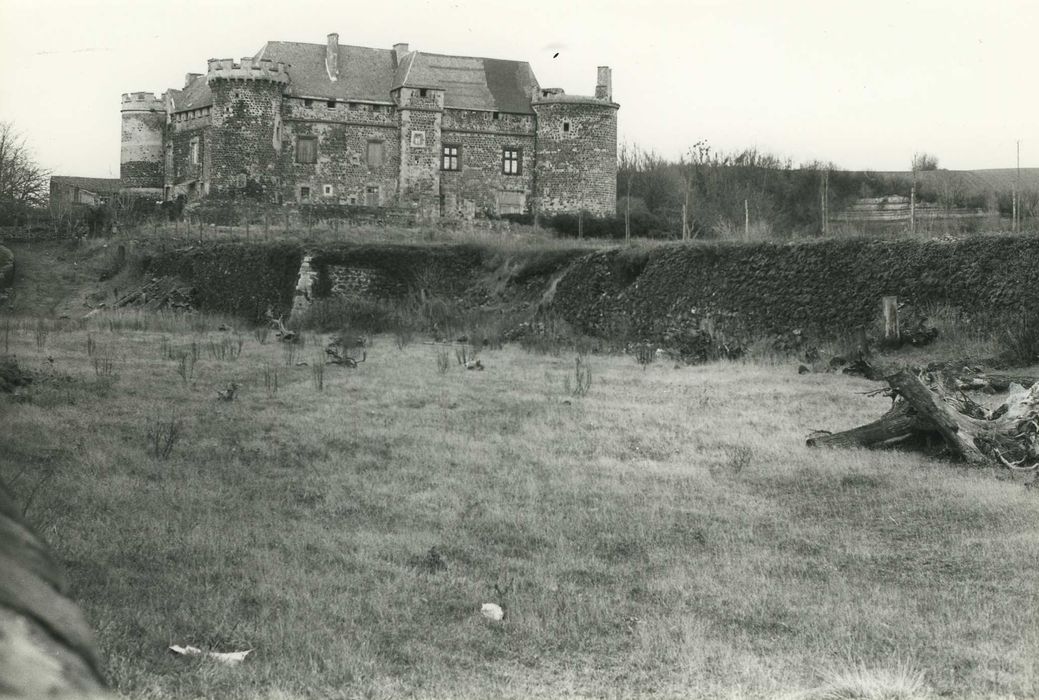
862	84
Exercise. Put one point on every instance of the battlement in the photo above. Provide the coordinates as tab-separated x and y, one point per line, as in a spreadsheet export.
247	69
142	102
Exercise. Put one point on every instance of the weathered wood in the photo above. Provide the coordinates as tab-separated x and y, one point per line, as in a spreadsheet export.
1007	436
891	332
894	426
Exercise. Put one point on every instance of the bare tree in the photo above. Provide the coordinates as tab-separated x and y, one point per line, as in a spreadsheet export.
924	161
23	183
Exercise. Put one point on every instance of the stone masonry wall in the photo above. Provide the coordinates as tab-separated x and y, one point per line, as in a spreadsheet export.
343	132
245	116
143	121
420	164
482	137
577	166
180	170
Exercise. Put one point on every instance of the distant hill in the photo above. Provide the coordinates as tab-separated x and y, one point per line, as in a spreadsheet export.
997	180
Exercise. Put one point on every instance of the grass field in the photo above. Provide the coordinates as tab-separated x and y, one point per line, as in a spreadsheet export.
667	534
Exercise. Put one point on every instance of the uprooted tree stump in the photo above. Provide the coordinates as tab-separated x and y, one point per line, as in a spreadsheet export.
923	408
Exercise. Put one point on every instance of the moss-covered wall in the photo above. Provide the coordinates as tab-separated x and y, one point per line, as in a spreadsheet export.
823	286
243	279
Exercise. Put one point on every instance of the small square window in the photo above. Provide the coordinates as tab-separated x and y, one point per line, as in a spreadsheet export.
327	190
351	105
495	115
418	139
451	157
511	161
422	92
308	103
331	104
304	194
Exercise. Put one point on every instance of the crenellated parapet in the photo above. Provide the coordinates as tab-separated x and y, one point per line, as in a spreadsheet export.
142	102
247	69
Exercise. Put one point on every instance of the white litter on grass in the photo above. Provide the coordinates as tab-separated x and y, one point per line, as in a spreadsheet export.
232	658
492	611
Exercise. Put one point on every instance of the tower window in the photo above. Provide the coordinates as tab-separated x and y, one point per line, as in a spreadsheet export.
328	190
422	92
566	126
511	159
306	149
308	103
194	151
375	149
304	194
331	104
451	157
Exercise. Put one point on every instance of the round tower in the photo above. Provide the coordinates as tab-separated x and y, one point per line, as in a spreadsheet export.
245	144
140	162
577	150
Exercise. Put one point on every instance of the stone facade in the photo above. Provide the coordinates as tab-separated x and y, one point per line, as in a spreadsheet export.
330	124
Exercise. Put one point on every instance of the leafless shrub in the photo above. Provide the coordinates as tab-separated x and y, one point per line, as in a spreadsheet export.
40	333
403	336
162	435
186	366
91	345
580	381
104	365
317	373
644	354
738	457
270	380
290	353
226	348
260	333
443	361
465	354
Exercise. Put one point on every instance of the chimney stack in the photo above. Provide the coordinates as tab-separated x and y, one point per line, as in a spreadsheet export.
399	51
604	84
332	57
189	77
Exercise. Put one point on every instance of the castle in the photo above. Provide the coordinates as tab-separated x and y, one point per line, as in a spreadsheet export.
347	125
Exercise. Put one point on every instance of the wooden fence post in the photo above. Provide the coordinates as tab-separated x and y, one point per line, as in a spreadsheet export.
891	332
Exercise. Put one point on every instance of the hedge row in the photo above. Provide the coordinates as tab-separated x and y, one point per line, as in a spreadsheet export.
824	287
242	279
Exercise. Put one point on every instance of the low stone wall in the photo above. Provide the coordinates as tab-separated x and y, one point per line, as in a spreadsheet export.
823	287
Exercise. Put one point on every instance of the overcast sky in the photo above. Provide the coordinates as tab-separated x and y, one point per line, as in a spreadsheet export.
861	84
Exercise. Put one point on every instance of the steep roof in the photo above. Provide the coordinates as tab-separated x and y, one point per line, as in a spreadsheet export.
97	185
194	95
471	83
371	74
364	74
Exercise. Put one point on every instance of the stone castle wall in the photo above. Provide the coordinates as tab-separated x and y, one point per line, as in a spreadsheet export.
577	156
143	122
482	136
343	132
244	152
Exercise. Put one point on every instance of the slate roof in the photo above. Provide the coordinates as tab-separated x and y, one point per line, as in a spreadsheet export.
196	94
364	74
98	185
367	74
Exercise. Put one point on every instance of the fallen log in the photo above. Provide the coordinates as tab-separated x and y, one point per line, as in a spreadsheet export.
924	409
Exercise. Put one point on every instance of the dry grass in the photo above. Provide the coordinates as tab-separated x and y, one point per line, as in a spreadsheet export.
667	534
